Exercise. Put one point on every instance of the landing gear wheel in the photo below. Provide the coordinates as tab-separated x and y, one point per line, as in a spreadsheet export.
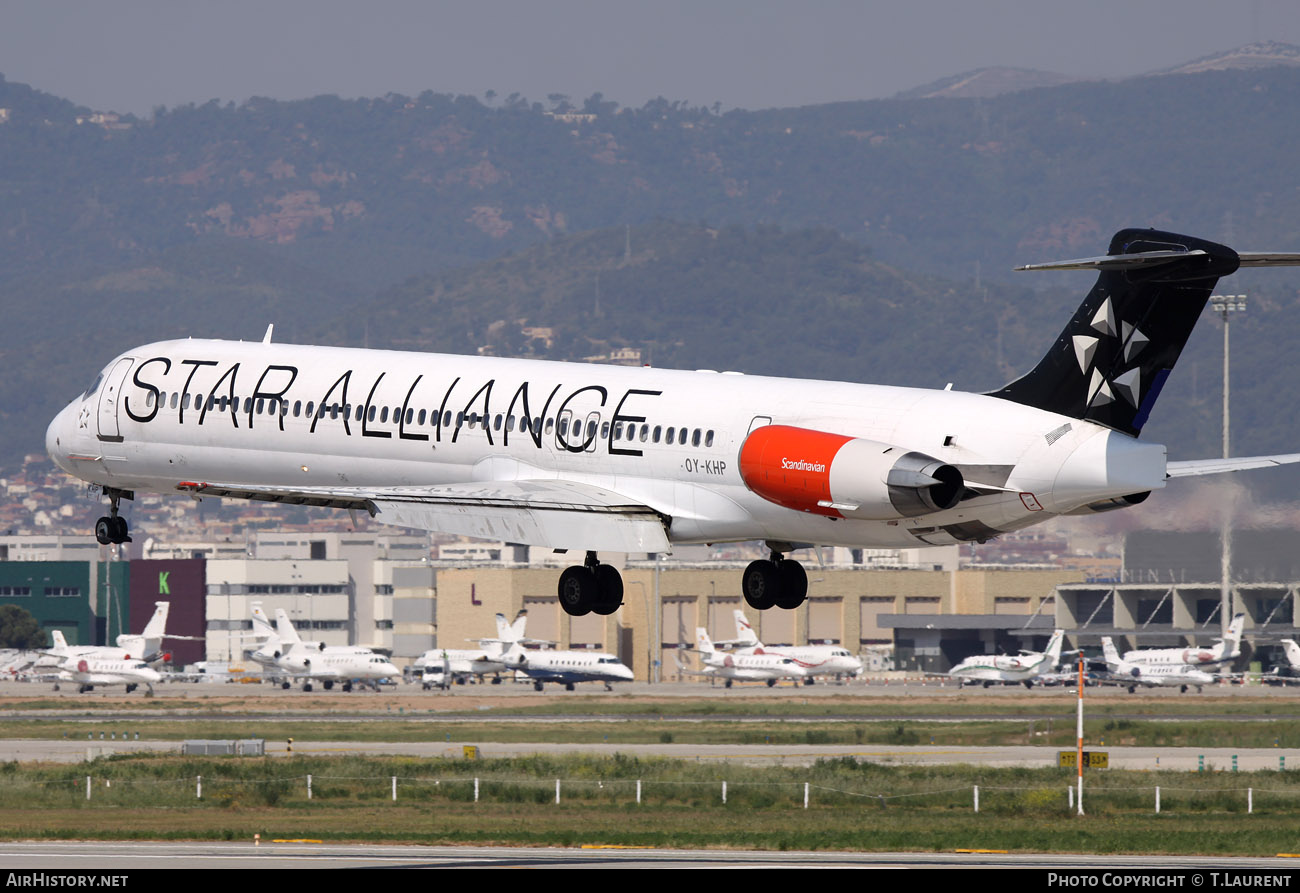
307	687
347	686
794	584
760	584
771	683
284	686
609	585
537	686
120	529
104	531
578	591
132	687
568	686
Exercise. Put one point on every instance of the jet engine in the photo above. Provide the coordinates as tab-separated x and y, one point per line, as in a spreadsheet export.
839	476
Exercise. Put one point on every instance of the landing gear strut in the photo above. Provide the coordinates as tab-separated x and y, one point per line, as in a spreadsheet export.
112	528
590	586
774	582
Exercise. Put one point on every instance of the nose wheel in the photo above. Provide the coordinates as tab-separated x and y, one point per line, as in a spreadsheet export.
112	529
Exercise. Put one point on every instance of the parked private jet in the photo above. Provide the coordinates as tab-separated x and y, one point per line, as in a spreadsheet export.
1121	672
755	667
566	667
1025	667
815	660
587	458
461	663
1224	650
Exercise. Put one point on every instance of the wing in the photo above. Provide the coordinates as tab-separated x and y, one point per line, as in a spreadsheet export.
1222	466
550	513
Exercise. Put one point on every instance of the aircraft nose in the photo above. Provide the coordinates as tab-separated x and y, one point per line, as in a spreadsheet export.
56	438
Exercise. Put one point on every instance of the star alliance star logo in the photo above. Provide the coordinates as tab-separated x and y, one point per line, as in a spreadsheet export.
1127	384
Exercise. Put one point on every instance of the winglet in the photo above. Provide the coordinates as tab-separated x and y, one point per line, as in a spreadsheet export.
266	339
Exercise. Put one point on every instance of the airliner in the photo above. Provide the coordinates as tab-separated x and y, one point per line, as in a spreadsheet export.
1024	667
586	459
1225	650
814	660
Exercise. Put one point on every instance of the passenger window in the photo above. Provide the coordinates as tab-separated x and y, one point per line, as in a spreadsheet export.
383	414
604	430
671	434
497	422
681	436
645	433
421	419
174	396
708	439
658	430
695	437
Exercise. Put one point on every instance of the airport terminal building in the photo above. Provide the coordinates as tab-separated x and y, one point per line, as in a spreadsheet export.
917	611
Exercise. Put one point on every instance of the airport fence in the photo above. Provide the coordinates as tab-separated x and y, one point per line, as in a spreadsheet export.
1269	792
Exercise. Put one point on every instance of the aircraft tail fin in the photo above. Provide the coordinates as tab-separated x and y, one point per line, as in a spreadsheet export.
1231	643
1109	652
1054	647
1110	363
156	628
285	629
745	634
519	625
1292	651
702	640
56	636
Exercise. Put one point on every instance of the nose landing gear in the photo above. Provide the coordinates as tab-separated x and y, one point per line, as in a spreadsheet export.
112	529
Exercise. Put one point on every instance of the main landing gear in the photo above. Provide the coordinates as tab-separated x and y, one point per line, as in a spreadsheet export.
112	529
590	586
774	582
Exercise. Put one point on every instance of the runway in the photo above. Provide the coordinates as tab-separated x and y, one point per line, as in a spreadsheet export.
117	858
1148	758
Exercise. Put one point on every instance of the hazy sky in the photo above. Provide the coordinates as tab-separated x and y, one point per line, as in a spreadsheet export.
133	55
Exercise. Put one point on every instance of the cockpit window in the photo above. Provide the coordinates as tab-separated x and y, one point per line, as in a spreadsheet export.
95	386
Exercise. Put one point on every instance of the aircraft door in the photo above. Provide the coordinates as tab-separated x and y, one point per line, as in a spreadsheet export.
109	398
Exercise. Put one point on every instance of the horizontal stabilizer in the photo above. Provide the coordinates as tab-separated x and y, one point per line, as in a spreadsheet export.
1195	467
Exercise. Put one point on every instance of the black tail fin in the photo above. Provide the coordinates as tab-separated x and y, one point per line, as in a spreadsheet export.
1111	362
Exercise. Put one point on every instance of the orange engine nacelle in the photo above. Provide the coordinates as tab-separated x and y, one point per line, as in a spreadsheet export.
839	476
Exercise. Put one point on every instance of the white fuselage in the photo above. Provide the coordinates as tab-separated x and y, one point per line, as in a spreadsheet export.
310	663
162	415
109	671
812	660
751	667
568	666
461	661
1003	667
